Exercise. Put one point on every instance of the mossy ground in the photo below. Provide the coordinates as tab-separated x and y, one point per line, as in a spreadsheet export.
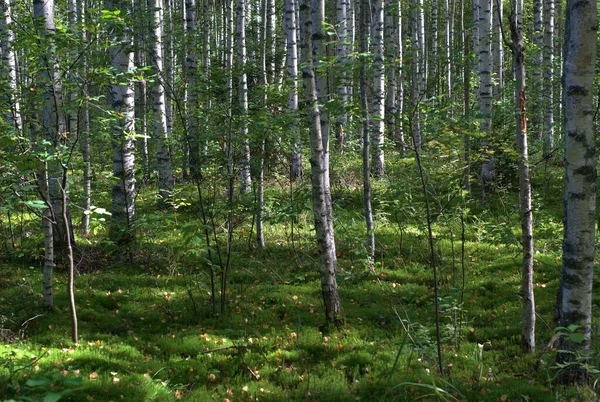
148	333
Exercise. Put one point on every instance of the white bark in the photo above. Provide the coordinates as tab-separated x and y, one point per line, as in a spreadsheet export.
245	177
319	161
122	98
419	77
528	318
192	104
378	105
292	72
485	93
342	61
537	59
497	50
9	62
166	180
548	95
575	294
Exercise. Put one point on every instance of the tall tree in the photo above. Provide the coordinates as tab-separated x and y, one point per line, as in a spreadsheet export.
525	209
419	76
538	41
342	61
378	97
166	180
292	71
574	304
245	176
51	126
548	95
485	94
9	62
122	99
192	83
319	161
365	128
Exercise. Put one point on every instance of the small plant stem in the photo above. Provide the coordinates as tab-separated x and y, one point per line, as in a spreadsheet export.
433	264
71	282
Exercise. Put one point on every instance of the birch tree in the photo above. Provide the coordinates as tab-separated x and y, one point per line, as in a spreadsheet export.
574	304
7	37
378	105
321	192
485	94
292	71
122	99
166	180
538	41
192	82
245	177
525	208
548	62
342	61
418	78
50	125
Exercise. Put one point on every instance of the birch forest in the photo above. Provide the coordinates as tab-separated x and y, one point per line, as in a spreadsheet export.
311	200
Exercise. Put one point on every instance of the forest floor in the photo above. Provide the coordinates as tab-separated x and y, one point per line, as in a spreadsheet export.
148	333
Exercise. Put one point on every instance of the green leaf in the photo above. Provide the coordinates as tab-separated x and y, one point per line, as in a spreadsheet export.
577	337
38	382
40	204
53	396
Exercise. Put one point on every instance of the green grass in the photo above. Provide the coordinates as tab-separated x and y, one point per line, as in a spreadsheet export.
148	333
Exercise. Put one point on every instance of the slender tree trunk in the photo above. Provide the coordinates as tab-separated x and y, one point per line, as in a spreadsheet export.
548	95
378	105
292	71
448	33
467	102
342	61
122	98
574	304
321	193
488	174
9	62
193	105
141	101
86	146
365	129
537	87
433	54
419	77
391	50
497	51
399	42
166	180
526	213
260	190
245	177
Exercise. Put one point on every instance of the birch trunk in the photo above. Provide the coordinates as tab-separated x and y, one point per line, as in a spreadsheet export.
488	174
418	70
525	209
342	61
86	146
9	62
548	95
498	51
574	305
141	101
292	71
245	177
166	180
538	41
321	193
192	106
399	121
378	105
391	51
365	129
433	55
122	98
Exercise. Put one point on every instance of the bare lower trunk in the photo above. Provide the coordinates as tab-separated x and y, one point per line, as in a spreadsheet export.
526	213
574	304
378	99
321	193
